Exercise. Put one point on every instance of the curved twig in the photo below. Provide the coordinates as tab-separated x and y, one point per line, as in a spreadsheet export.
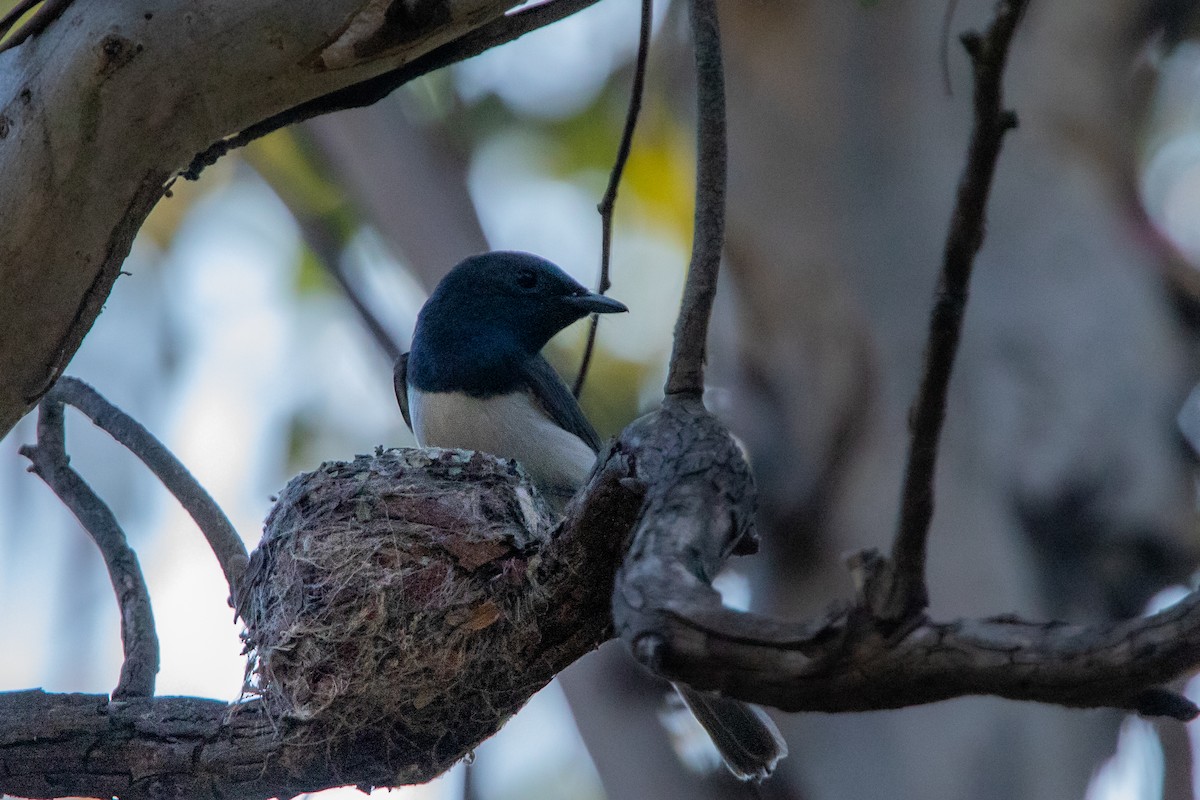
908	595
609	200
686	374
225	542
139	640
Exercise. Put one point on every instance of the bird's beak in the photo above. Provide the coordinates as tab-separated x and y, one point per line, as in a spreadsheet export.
592	303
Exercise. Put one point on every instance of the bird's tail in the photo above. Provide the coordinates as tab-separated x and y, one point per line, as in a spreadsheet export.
744	735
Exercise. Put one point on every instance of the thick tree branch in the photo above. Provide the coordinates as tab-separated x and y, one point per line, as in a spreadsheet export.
909	595
79	185
139	640
686	374
500	31
847	663
609	201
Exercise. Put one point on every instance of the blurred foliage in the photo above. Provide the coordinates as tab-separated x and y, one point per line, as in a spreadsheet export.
659	176
611	395
660	173
283	163
320	207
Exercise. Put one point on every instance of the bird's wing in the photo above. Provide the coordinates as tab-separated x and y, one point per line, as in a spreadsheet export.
557	401
400	382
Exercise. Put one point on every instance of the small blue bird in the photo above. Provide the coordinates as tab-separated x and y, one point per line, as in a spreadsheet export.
475	379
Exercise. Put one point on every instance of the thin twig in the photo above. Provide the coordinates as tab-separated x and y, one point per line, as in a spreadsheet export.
614	181
226	545
495	33
989	53
50	462
686	374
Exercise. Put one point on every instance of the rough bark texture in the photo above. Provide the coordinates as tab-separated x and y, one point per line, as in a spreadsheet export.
80	102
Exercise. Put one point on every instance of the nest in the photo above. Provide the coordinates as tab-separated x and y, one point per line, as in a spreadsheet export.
391	606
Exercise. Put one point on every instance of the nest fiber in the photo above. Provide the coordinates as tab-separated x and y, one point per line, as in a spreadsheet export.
392	603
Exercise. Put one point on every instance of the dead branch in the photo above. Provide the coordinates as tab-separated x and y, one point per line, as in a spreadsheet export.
878	652
850	662
909	595
139	640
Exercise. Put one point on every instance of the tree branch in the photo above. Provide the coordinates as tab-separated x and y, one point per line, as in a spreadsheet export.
686	374
698	508
909	595
608	202
225	542
139	640
500	31
878	652
847	663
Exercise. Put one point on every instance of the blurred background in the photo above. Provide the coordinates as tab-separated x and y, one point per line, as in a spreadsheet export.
252	333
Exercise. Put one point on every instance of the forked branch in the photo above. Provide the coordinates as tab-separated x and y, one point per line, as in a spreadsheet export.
879	651
226	545
49	460
139	639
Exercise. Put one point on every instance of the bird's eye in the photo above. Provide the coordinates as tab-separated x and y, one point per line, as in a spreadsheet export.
527	279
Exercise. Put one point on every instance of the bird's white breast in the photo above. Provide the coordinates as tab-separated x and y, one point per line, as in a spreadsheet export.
509	426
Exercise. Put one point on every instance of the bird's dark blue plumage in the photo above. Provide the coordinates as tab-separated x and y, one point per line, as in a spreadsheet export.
475	377
489	317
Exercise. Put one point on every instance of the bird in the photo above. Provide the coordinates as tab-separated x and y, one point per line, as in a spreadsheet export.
475	379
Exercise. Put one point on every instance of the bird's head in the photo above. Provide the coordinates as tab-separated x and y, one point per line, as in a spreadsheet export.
497	307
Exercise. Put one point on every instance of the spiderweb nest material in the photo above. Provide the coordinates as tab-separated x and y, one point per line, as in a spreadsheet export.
393	605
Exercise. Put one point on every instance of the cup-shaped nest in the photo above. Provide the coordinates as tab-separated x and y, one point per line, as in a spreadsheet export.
394	606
